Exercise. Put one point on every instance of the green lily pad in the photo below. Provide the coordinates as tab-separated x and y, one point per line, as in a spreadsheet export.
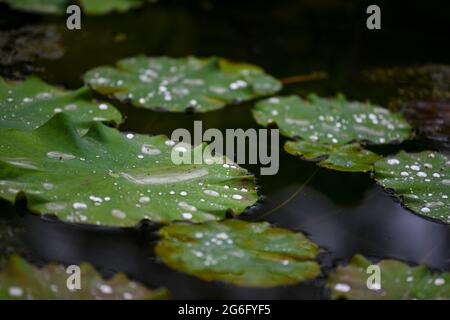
91	7
332	121
398	281
238	252
350	157
108	178
20	280
29	104
330	130
40	6
421	180
181	84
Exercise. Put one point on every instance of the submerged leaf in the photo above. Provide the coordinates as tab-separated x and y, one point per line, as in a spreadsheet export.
398	281
323	128
181	84
430	117
238	252
9	243
423	97
421	180
29	104
109	178
420	82
350	157
20	47
20	280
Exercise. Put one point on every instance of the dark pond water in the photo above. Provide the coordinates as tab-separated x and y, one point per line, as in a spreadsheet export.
344	213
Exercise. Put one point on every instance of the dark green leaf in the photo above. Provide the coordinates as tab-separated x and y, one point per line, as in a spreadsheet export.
242	253
398	281
421	180
29	104
329	129
109	178
349	157
20	280
180	84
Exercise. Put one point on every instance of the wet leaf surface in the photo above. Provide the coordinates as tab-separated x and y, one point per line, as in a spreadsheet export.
333	121
399	281
29	104
20	280
421	180
181	84
238	252
40	6
109	178
323	127
350	157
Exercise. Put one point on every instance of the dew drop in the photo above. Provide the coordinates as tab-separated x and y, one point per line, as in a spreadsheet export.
144	199
393	162
187	215
118	214
15	291
439	281
150	150
211	193
342	287
104	288
79	205
60	155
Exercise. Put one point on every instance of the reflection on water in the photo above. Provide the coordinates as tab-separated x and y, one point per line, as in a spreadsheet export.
344	213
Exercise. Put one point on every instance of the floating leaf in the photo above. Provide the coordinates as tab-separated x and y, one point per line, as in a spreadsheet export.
92	7
41	6
350	157
398	281
323	128
334	121
20	280
242	253
29	104
422	180
181	84
109	178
